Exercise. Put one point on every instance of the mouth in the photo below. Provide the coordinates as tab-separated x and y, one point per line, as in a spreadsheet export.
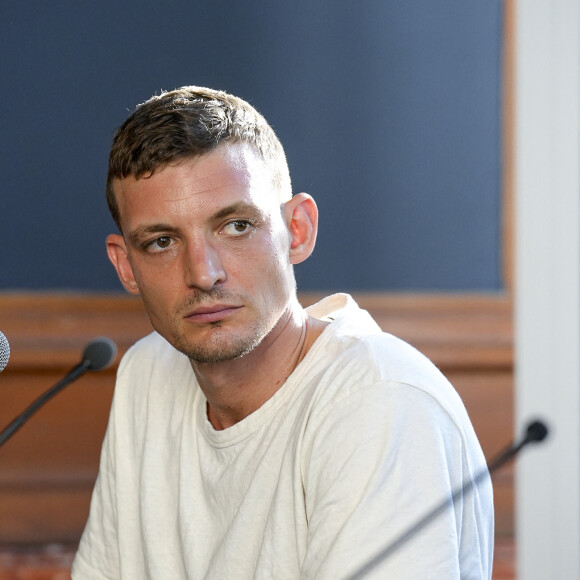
209	314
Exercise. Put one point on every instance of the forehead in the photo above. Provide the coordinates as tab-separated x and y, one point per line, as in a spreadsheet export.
230	173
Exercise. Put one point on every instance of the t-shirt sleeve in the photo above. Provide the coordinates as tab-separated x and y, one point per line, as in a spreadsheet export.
378	461
98	555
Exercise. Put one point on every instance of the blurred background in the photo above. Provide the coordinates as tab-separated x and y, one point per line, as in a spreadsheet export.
390	113
396	115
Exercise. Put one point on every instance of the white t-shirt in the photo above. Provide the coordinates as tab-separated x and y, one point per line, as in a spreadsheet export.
362	440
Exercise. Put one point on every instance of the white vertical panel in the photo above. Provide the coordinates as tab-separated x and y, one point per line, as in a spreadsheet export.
548	285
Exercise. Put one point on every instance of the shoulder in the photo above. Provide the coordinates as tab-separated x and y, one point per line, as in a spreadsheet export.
375	385
379	399
355	356
397	362
383	367
355	342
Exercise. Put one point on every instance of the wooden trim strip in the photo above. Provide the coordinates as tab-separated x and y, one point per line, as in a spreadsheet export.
47	331
53	461
508	145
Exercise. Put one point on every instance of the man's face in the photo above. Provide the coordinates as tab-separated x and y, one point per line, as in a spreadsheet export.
206	245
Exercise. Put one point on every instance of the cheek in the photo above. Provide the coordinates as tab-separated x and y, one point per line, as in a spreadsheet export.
272	256
259	270
159	271
281	253
156	289
277	272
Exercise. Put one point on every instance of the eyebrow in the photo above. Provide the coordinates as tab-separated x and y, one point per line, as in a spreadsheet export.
239	207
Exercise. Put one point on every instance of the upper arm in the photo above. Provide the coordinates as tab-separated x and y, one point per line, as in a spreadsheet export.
378	461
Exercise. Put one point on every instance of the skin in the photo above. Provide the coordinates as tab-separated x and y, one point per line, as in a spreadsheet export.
210	246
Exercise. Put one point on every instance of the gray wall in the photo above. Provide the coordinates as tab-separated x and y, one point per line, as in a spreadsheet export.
389	111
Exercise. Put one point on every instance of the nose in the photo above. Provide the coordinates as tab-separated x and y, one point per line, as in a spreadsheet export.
203	268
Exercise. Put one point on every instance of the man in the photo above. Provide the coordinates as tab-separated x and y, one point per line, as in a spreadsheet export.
248	437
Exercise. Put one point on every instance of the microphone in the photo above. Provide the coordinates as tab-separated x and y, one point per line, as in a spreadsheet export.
98	354
4	352
536	431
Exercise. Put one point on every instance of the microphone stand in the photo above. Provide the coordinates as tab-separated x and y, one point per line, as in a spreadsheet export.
98	354
76	372
535	432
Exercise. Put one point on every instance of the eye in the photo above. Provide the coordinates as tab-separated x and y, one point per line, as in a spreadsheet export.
237	227
158	244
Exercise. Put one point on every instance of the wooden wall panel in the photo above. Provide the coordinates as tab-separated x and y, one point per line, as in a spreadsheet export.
48	468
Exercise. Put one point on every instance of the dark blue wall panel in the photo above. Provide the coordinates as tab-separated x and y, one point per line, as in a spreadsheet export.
389	111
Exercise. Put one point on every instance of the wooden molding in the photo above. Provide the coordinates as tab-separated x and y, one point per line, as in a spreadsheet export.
508	143
48	331
53	460
462	331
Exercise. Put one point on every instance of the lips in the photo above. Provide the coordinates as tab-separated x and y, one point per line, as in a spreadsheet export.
215	313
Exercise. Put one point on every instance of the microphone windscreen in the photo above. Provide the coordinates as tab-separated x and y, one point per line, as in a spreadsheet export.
99	353
4	351
537	431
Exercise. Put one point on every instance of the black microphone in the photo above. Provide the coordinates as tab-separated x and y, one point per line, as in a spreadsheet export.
4	352
98	354
536	431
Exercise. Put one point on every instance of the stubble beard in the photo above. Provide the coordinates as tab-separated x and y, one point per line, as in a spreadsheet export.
220	346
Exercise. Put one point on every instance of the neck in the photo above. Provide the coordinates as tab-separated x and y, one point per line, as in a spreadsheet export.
236	388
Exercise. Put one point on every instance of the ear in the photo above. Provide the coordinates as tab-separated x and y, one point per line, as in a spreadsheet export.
302	221
117	251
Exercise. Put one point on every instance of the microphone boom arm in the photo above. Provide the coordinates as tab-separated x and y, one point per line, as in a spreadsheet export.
536	431
98	354
76	372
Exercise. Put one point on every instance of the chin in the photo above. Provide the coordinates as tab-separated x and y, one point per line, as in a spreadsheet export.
217	349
